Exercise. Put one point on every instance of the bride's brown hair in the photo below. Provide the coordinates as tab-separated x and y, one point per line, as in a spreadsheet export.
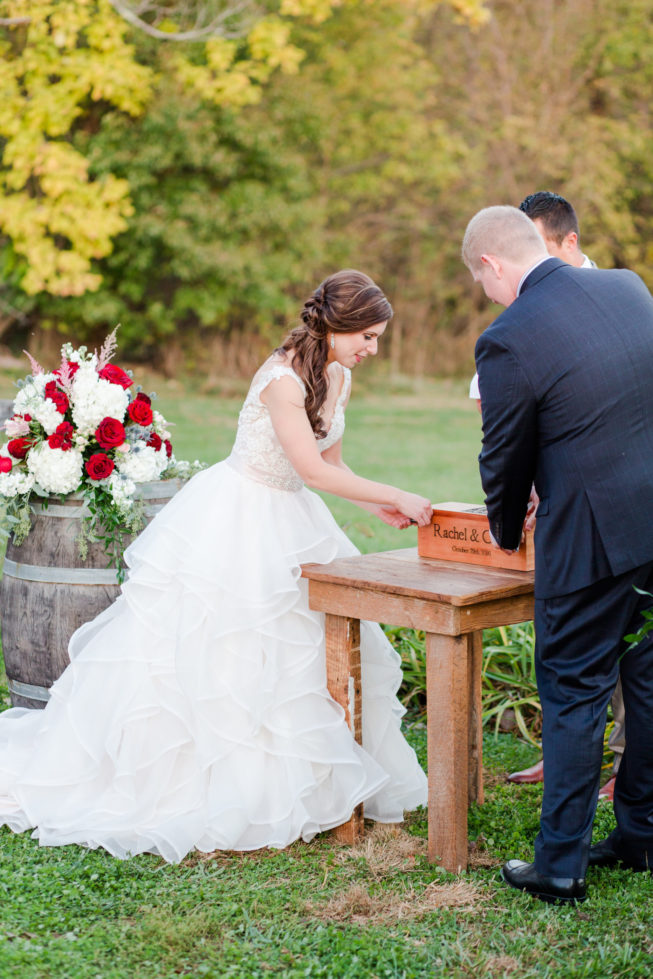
346	302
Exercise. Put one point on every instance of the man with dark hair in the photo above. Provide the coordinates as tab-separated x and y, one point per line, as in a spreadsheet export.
556	220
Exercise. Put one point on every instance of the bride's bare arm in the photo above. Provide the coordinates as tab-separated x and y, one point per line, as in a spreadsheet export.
386	512
293	429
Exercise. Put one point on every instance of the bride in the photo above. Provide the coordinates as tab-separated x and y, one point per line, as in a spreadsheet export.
194	712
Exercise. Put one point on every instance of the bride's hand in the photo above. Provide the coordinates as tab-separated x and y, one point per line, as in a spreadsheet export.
531	511
393	517
417	508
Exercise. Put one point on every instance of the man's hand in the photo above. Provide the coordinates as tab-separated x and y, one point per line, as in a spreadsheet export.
498	546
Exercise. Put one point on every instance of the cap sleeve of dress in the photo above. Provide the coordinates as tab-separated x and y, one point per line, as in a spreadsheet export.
273	373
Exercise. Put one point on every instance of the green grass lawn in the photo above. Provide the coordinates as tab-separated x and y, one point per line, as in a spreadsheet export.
320	910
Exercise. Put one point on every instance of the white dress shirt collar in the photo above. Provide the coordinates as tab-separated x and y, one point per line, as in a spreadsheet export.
528	272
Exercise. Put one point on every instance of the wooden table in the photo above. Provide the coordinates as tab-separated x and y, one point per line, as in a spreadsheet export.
452	603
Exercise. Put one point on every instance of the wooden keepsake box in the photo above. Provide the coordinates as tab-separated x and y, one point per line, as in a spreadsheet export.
461	532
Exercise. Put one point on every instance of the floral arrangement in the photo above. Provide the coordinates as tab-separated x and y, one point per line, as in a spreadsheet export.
85	428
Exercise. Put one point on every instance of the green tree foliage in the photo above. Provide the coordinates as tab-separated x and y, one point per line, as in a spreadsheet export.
406	116
52	58
61	61
219	231
542	96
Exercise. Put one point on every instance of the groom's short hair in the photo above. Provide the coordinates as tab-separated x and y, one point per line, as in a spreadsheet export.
556	214
503	231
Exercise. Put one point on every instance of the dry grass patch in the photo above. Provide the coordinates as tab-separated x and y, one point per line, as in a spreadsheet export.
479	858
502	965
386	848
492	779
359	906
482	860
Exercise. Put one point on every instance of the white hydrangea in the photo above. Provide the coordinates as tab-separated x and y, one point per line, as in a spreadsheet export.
143	463
160	425
47	414
16	482
122	490
32	394
94	398
31	400
55	470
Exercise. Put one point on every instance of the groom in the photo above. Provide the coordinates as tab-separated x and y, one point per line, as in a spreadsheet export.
565	379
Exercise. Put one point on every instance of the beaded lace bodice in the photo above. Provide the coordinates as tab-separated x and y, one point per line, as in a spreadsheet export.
257	452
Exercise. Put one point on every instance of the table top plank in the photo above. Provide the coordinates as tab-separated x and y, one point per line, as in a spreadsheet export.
404	572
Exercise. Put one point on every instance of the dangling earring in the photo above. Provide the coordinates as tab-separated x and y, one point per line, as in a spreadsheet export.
333	341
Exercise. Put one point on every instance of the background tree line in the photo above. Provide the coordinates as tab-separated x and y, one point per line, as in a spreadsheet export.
223	179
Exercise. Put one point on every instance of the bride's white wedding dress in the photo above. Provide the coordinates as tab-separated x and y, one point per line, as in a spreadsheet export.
194	713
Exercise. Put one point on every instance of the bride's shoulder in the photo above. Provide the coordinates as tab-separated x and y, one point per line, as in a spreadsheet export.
278	366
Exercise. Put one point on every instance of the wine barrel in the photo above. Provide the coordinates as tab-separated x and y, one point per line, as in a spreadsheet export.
47	591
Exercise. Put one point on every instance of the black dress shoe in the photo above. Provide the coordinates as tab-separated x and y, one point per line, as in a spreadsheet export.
555	890
606	854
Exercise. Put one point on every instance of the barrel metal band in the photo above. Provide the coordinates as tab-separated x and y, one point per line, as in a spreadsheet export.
74	512
61	576
30	690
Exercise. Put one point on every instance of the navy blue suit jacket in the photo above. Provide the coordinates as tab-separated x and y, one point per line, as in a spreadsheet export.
566	381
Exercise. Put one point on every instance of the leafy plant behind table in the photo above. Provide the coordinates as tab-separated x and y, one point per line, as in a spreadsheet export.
510	699
636	637
509	688
79	429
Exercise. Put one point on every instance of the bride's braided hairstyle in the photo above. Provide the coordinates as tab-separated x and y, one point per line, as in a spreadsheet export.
346	302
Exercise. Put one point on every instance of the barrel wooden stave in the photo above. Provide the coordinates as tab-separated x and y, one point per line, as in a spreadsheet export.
40	616
36	633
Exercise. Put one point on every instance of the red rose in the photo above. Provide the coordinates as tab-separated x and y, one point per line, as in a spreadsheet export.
62	437
54	394
27	418
140	412
6	464
168	445
62	402
116	375
143	397
110	433
67	430
155	441
99	466
19	447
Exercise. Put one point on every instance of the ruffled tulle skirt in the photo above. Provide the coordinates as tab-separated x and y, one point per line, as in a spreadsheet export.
194	713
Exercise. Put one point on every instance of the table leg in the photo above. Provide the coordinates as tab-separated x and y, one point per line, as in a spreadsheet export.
448	693
475	677
343	668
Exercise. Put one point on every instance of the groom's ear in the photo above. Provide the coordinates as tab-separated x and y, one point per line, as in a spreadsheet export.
493	262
